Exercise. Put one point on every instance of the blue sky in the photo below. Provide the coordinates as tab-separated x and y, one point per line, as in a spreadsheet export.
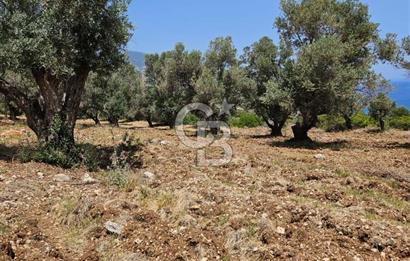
159	24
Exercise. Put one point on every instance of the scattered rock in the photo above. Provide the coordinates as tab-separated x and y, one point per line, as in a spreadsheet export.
195	207
62	178
138	241
164	143
187	221
149	175
113	228
155	141
9	204
320	157
40	174
133	257
87	179
281	230
1	178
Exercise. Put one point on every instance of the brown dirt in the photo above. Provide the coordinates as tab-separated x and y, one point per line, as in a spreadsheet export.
275	200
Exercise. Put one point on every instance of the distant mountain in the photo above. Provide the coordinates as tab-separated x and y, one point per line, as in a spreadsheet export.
401	93
137	58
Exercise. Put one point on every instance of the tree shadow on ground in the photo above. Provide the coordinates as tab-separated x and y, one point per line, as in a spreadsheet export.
156	126
8	153
311	145
261	136
89	155
397	145
373	131
84	126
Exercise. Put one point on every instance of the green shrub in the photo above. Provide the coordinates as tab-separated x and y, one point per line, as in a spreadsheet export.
50	155
331	123
398	112
90	156
126	154
360	120
123	156
402	122
191	119
245	120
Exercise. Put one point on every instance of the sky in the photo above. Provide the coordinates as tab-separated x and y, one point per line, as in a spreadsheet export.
159	24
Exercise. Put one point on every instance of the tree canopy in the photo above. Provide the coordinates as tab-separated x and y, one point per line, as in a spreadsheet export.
56	44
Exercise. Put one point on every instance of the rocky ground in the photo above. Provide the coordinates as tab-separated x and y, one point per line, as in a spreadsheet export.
346	197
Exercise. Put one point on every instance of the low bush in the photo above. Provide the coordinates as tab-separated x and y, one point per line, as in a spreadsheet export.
126	155
399	111
361	120
191	119
50	155
245	120
331	123
402	122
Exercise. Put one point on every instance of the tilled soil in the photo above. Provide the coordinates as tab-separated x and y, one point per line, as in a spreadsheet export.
344	197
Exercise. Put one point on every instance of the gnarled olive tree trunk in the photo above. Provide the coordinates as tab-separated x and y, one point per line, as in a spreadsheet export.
301	129
53	120
276	127
52	112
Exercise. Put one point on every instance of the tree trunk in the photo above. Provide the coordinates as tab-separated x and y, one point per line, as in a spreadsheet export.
300	132
13	111
276	128
113	121
382	125
151	125
348	122
53	115
96	120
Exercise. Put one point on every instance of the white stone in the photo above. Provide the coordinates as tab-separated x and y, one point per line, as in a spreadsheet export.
281	230
87	179
164	143
113	228
320	157
62	178
149	175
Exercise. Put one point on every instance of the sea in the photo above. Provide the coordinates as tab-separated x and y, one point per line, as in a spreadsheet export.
401	93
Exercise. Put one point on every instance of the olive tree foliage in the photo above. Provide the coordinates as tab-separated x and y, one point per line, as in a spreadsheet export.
114	96
170	82
379	108
269	67
94	98
391	50
9	108
222	81
334	46
351	103
220	56
57	44
406	49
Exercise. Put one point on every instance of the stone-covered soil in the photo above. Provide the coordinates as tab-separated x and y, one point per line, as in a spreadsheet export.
344	197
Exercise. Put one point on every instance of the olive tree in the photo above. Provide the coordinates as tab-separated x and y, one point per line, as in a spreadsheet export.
268	65
170	79
379	108
57	44
334	46
114	96
223	82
